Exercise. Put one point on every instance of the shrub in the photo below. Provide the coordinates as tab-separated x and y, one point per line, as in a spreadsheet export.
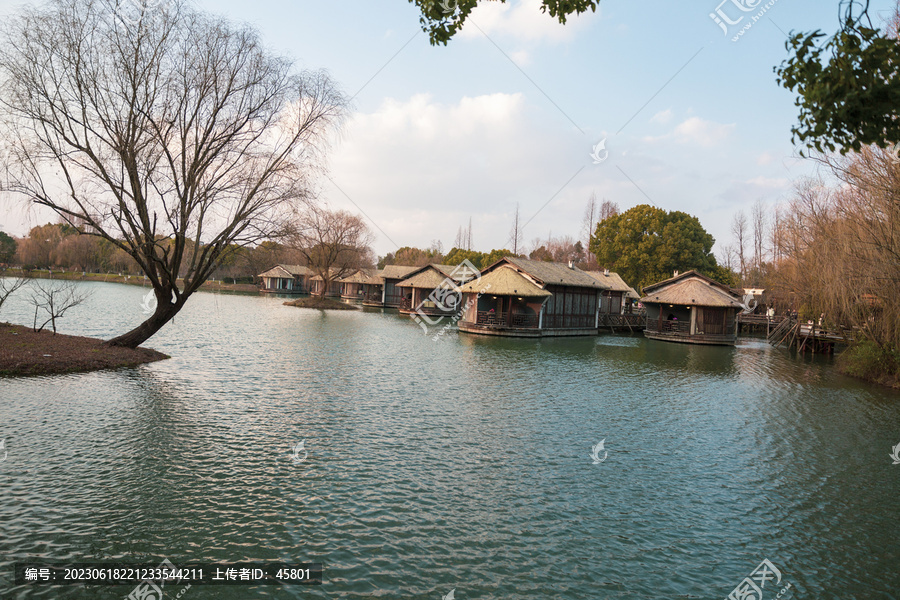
867	360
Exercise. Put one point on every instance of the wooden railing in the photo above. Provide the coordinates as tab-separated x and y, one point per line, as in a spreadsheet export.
683	327
499	319
635	321
753	319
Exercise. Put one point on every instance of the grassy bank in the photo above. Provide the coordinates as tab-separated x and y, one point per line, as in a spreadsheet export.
208	286
26	352
869	361
320	303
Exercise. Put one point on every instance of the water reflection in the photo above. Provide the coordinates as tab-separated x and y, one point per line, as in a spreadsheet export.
462	462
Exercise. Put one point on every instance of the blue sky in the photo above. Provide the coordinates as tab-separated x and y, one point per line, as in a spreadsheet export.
510	110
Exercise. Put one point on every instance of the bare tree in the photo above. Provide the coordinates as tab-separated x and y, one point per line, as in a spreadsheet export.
469	237
515	233
334	244
589	220
460	240
176	138
776	235
608	209
739	233
9	286
54	298
726	257
760	222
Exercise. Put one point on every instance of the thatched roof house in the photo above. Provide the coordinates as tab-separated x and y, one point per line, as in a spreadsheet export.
693	308
618	294
392	296
286	279
425	289
527	298
316	283
352	285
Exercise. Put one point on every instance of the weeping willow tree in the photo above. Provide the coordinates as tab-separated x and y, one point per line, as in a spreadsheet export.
175	135
841	247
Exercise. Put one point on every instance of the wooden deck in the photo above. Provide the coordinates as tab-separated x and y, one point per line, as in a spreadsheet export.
680	331
809	337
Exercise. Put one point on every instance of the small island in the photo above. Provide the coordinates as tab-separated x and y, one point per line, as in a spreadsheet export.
24	351
320	303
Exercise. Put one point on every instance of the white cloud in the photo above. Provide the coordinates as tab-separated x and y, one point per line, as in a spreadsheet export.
695	131
420	169
765	158
662	117
523	20
769	183
521	57
702	132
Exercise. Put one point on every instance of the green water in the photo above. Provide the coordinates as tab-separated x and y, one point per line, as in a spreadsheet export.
463	463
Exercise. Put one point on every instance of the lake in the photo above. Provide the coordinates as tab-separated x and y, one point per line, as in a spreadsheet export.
459	464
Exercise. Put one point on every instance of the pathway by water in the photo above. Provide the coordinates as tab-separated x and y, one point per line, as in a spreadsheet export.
463	463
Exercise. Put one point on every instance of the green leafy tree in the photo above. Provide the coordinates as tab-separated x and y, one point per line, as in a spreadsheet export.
411	257
848	85
495	255
541	254
442	19
457	255
646	244
7	247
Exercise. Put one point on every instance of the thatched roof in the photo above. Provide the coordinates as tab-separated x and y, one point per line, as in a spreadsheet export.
375	279
615	283
286	271
691	289
431	276
397	271
427	279
505	281
360	276
333	273
550	273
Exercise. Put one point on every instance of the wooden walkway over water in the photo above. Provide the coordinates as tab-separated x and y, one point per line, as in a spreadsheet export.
808	337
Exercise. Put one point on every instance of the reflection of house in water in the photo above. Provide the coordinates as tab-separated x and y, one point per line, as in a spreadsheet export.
527	298
286	279
692	308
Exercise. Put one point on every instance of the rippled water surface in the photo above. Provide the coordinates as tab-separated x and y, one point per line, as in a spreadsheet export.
459	463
